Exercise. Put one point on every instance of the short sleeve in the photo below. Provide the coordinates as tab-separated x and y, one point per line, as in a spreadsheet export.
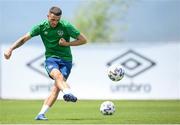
35	31
72	31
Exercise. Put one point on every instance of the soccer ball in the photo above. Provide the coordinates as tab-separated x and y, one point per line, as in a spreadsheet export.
107	108
115	72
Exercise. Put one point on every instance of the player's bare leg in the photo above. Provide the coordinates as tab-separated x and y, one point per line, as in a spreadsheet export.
62	85
53	96
48	102
59	80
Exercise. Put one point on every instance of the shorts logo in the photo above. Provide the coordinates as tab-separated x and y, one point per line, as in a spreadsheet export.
50	67
60	32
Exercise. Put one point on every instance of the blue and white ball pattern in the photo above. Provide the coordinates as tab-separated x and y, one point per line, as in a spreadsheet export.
107	108
115	72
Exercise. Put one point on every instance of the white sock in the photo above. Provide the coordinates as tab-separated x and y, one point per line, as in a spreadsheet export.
67	91
44	109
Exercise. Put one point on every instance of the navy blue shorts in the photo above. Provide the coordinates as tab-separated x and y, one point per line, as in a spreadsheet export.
56	63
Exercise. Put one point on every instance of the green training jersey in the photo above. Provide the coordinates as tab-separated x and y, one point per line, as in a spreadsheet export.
51	36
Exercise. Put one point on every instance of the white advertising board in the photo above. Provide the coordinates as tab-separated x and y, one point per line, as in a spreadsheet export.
151	73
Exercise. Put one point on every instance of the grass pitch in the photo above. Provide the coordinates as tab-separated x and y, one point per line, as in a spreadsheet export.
87	112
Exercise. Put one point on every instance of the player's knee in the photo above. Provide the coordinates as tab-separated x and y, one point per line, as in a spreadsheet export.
56	75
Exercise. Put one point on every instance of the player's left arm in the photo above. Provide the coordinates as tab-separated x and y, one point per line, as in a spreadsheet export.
81	39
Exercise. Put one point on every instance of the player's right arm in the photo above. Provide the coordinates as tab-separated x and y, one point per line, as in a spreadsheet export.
16	44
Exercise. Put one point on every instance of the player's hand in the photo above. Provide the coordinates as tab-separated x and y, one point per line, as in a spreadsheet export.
7	53
63	42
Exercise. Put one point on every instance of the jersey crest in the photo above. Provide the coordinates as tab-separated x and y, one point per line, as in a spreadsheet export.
60	32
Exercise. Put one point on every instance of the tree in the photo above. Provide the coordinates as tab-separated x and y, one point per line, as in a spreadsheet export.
99	19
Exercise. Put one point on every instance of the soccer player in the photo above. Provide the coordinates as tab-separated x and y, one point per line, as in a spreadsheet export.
55	34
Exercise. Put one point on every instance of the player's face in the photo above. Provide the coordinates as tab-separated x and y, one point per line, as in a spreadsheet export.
53	19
